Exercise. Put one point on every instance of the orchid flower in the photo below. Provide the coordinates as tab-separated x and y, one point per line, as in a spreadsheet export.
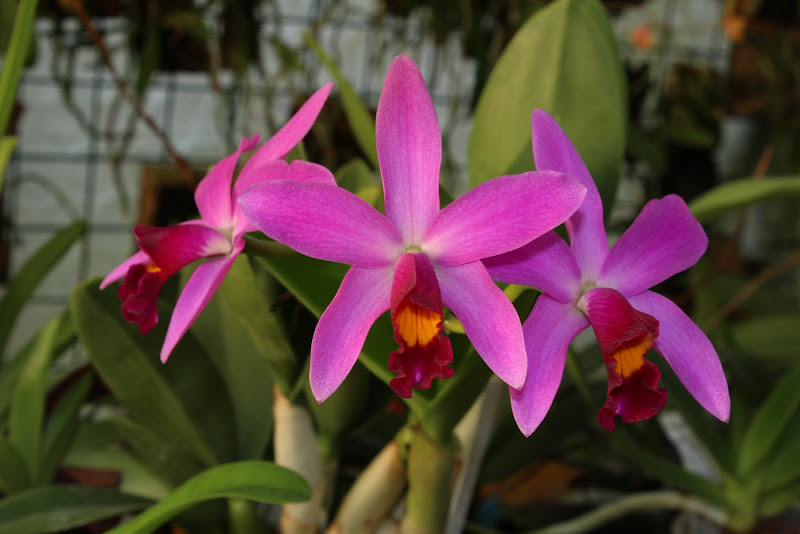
417	258
217	235
585	283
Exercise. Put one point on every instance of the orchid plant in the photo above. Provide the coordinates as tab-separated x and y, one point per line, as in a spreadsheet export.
334	347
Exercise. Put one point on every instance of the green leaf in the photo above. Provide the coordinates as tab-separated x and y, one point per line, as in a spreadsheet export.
7	145
358	178
21	38
565	60
782	467
739	193
779	501
31	274
165	458
61	426
770	422
10	372
243	355
360	118
772	336
27	408
14	475
183	401
60	508
253	480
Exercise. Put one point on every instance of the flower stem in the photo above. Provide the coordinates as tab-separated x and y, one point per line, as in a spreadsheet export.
430	468
653	500
243	518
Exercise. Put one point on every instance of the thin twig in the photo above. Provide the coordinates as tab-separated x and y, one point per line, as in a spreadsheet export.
77	7
750	288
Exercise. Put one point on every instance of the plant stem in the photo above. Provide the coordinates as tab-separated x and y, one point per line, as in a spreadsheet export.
654	500
242	517
430	468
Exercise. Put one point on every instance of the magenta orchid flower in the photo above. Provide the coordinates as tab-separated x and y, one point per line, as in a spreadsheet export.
218	235
416	258
585	283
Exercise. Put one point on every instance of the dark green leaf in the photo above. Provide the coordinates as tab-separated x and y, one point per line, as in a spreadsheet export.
565	60
739	193
183	401
31	274
27	408
782	467
772	336
358	178
60	508
61	426
770	422
14	475
7	145
253	480
361	120
21	38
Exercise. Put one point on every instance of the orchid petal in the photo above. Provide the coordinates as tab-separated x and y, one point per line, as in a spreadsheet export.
552	150
363	296
546	264
548	332
409	145
665	239
122	269
501	215
489	319
322	221
213	193
689	352
195	296
173	247
292	132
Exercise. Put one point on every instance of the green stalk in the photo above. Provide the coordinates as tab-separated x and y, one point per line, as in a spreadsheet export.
243	518
430	469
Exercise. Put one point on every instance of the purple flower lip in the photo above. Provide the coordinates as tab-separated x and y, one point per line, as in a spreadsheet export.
216	236
326	222
664	240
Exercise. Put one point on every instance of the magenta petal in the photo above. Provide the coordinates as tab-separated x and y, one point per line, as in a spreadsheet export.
122	269
173	247
548	332
271	170
546	264
195	296
501	215
363	296
552	150
213	193
488	317
322	221
665	239
292	132
689	352
409	145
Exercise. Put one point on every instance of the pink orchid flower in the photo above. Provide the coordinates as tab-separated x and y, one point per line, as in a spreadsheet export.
585	283
217	235
417	258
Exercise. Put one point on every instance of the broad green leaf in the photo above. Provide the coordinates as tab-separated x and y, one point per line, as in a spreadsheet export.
164	457
7	145
564	60
60	508
14	475
773	336
21	38
770	422
243	362
253	480
183	401
779	501
61	426
360	118
245	296
739	193
27	408
31	274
